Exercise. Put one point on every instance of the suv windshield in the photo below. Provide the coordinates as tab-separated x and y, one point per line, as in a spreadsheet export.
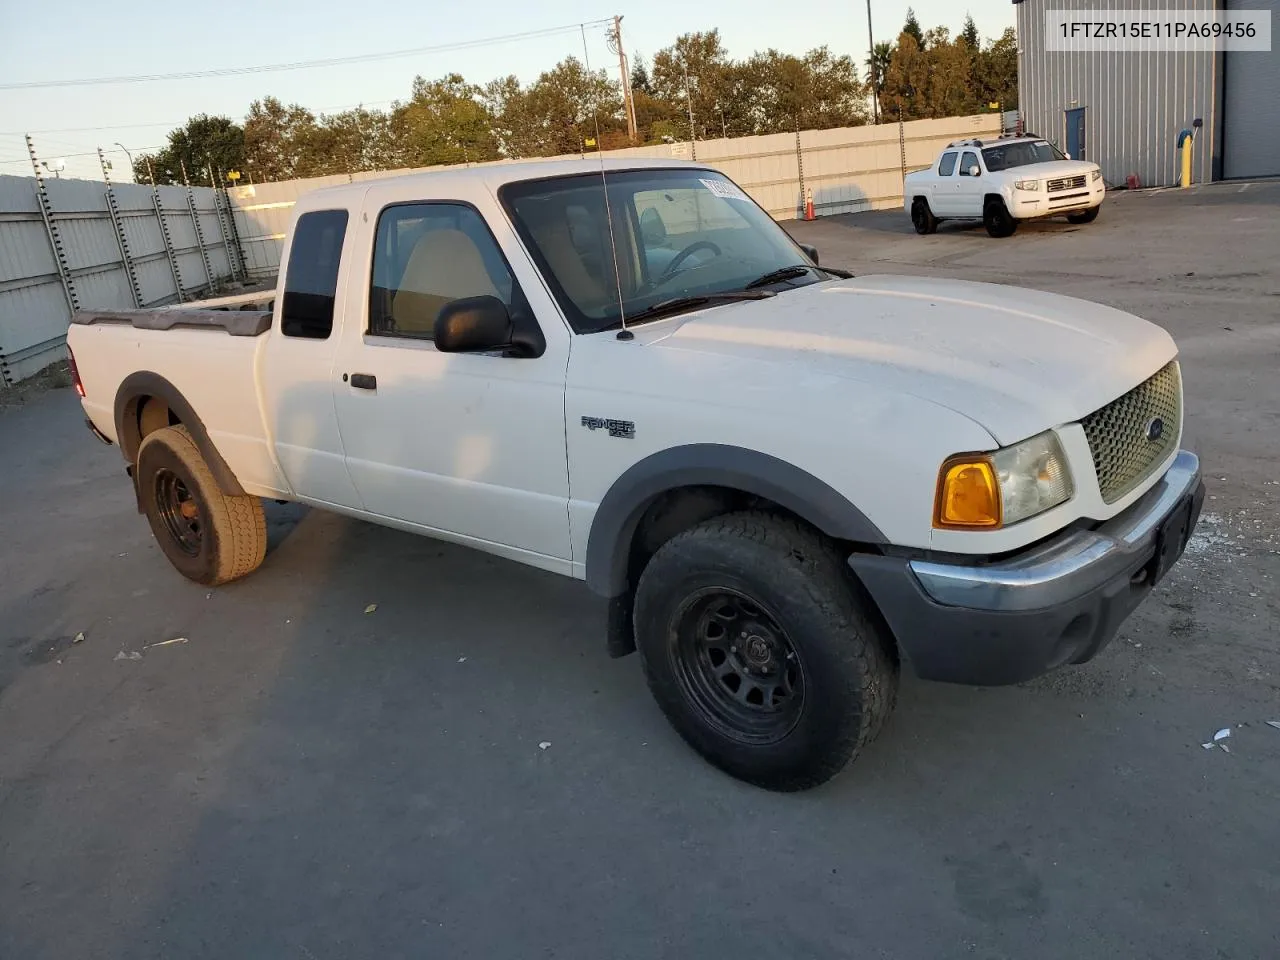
677	233
1021	154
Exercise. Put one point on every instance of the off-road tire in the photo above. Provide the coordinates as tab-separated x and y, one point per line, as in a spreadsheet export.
997	219
847	660
232	537
922	217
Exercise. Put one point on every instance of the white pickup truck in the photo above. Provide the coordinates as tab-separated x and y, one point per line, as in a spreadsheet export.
1001	182
785	480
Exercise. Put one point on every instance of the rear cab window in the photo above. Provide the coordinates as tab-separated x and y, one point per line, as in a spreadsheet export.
947	165
970	159
311	276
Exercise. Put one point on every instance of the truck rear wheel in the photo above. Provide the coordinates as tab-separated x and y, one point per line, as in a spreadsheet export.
209	537
997	219
760	650
922	217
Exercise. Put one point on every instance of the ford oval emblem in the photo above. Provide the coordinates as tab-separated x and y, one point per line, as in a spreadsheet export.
1155	429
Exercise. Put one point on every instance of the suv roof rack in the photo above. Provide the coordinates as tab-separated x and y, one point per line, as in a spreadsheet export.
968	142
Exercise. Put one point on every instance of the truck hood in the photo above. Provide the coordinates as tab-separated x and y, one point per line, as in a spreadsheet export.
1015	361
1053	169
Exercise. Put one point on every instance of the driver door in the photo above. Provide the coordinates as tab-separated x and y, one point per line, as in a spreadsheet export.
970	189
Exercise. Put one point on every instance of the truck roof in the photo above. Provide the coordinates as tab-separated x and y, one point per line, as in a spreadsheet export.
497	174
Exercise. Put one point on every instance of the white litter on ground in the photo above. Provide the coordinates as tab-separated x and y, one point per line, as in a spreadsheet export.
79	638
131	655
370	608
544	744
165	643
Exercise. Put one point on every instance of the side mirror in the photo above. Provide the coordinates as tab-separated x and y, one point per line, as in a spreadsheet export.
1067	155
471	324
974	170
811	252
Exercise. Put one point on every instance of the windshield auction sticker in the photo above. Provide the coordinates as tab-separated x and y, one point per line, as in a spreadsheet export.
1147	31
725	189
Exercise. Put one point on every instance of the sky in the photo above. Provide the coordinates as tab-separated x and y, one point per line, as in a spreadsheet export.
77	39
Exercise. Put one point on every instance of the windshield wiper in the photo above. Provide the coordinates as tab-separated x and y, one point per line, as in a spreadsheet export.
793	272
665	307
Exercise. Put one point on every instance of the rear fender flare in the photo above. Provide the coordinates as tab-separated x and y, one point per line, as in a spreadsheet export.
143	384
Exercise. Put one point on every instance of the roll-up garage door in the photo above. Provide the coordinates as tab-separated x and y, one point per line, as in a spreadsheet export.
1251	105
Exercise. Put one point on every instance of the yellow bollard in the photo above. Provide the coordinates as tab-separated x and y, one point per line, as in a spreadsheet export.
1185	139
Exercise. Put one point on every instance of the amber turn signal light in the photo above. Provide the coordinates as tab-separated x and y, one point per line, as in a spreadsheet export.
968	495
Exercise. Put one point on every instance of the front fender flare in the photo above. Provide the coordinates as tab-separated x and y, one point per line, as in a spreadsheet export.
710	465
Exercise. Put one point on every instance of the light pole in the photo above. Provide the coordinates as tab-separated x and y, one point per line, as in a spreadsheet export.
132	176
688	97
875	80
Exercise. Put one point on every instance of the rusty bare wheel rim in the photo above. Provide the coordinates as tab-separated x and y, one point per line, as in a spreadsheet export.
179	512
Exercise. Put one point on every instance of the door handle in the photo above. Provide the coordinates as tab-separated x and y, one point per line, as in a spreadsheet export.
364	381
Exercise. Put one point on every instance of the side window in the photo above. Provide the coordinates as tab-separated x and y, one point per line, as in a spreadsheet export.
947	165
311	277
970	159
426	255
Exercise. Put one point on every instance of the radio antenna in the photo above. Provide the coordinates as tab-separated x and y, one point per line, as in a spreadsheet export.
624	333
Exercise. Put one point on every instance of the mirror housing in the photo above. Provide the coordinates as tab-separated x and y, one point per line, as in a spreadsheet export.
472	324
974	170
811	252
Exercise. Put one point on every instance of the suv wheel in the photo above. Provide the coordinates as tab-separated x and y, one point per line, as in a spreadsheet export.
997	219
922	217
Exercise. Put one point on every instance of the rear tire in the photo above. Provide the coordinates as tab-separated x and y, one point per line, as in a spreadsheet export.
922	217
762	651
1085	216
997	219
209	537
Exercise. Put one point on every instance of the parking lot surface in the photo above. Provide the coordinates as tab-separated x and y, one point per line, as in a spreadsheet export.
297	777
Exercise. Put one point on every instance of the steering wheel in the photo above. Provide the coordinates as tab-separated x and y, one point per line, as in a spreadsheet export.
684	254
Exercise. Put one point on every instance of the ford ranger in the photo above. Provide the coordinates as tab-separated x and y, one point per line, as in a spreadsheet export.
786	481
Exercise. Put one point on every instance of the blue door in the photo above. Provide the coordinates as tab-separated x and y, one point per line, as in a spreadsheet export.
1075	133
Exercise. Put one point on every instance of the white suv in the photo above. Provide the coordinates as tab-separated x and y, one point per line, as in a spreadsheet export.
1001	182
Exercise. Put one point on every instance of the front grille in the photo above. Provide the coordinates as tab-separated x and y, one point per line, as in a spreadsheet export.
1066	183
1120	434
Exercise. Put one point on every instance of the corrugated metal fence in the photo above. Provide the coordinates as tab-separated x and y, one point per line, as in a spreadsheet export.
849	170
171	250
149	249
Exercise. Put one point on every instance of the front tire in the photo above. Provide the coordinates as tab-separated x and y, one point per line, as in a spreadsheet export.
761	650
209	537
997	219
922	217
1085	216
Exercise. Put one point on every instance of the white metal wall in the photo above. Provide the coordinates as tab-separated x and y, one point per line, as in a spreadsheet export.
1136	103
850	169
34	312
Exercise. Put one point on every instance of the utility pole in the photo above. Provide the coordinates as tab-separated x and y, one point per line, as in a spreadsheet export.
688	98
875	78
628	99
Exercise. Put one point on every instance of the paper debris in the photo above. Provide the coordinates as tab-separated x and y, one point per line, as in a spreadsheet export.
165	643
1274	723
1222	734
544	744
370	608
462	659
1208	746
131	655
79	638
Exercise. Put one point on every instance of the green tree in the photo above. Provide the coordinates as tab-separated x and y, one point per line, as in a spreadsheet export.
996	72
555	114
951	91
912	27
201	143
443	121
640	82
906	82
351	142
814	92
275	139
877	66
969	34
699	63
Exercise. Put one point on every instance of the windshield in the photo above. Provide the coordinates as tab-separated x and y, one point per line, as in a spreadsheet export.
678	233
1020	154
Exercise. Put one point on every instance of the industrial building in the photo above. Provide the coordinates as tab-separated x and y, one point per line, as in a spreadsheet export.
1126	110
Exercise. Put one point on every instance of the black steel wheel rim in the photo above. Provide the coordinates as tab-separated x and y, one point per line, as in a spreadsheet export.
179	511
737	666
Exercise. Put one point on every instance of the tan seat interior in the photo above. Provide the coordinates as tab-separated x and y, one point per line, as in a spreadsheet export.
445	265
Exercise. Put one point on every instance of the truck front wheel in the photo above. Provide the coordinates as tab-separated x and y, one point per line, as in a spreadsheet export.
209	537
760	650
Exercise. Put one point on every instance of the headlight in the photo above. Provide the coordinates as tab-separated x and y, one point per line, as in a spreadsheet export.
1031	185
977	491
1095	176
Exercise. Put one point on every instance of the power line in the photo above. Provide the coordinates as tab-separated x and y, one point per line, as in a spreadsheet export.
300	64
